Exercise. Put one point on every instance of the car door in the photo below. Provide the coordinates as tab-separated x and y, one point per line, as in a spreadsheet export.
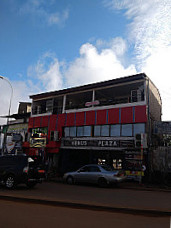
93	174
81	174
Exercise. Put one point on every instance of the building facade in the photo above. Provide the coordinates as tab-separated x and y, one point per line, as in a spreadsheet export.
15	132
107	122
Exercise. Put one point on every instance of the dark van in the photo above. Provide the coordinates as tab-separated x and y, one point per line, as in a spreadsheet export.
20	169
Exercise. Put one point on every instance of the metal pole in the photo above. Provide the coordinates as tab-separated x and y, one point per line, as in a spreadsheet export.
5	135
3	78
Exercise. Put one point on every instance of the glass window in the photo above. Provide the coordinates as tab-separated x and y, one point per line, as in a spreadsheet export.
96	130
52	136
94	169
80	131
87	130
115	130
126	130
57	105
84	169
72	131
78	100
139	128
66	131
105	130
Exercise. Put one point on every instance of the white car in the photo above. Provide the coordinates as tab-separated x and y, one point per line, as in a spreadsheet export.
96	174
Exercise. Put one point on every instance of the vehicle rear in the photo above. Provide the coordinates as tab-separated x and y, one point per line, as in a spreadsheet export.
20	169
33	173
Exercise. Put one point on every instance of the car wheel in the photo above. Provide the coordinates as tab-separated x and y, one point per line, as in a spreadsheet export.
102	182
31	184
70	180
10	182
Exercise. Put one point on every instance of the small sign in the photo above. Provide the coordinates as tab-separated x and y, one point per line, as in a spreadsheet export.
91	103
37	142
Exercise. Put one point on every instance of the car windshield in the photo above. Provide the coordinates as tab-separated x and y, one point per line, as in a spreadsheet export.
107	168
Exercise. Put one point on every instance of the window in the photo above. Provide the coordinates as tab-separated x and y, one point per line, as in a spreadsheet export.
94	169
115	130
52	136
105	130
57	105
72	131
139	128
84	169
87	130
78	100
66	131
96	130
126	130
80	131
39	132
49	105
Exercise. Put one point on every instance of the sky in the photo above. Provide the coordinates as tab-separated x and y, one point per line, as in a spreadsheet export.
56	44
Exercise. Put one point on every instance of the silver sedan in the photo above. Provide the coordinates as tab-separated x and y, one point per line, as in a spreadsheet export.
96	174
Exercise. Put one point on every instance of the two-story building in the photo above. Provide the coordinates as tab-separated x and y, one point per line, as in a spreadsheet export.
96	123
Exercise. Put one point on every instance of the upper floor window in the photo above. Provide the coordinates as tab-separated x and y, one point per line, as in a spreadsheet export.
78	100
57	105
120	94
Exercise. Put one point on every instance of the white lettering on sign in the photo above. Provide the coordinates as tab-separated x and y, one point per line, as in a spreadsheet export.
108	143
79	143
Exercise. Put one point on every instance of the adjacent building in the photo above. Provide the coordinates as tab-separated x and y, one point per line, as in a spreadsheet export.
15	133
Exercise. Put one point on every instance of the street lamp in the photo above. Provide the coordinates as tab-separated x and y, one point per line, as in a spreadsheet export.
3	78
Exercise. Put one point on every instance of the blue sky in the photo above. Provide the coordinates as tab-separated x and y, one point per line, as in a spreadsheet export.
55	44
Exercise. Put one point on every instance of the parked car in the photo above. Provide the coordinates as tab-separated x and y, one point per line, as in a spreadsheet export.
96	174
17	169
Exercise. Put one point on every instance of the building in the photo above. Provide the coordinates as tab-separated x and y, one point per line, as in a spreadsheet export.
16	131
106	122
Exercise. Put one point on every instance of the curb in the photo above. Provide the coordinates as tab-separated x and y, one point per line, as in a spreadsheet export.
138	187
92	207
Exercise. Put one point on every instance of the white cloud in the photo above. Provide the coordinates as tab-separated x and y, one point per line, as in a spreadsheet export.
47	73
94	65
118	45
40	9
91	66
21	91
149	30
58	18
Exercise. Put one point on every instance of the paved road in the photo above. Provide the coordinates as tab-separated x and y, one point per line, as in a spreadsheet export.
13	214
92	195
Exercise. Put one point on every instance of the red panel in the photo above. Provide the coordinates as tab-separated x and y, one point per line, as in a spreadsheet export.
52	123
37	121
101	117
127	115
80	118
70	119
61	123
44	120
90	118
113	116
30	123
140	114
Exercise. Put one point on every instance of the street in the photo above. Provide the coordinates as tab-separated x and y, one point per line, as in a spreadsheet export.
93	195
24	215
136	208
